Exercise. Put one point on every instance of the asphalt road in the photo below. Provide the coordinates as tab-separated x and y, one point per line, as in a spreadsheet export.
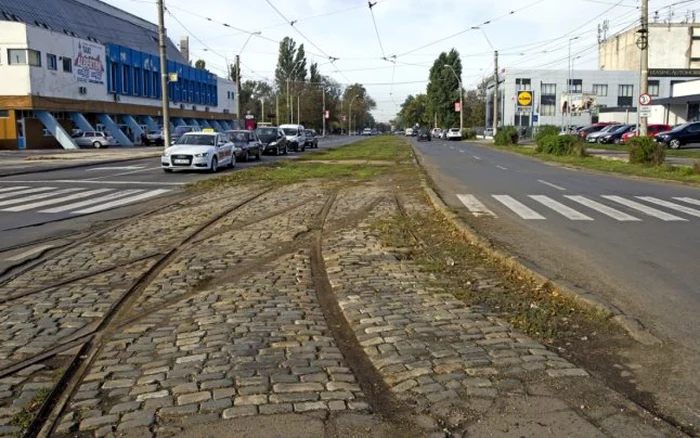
634	242
57	201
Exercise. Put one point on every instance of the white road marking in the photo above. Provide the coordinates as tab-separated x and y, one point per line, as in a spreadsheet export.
502	168
688	200
28	253
122	201
27	191
602	208
9	189
476	207
35	197
644	209
518	208
114	168
84	181
560	208
54	201
110	197
551	185
671	205
476	158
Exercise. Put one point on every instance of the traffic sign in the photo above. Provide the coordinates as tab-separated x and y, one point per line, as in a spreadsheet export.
644	99
645	111
458	107
525	98
327	114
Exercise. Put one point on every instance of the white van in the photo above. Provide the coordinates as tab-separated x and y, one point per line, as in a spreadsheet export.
296	137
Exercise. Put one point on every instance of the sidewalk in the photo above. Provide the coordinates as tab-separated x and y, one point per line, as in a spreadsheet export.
292	314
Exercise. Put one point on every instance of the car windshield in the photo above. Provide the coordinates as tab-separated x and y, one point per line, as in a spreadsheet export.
266	132
154	132
197	139
680	127
183	129
238	136
290	131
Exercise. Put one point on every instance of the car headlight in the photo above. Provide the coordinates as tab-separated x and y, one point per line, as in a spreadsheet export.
274	143
203	154
166	154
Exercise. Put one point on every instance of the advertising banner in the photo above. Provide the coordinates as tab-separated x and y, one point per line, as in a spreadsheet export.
89	63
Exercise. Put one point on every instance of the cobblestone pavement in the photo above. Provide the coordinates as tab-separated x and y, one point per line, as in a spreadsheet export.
232	324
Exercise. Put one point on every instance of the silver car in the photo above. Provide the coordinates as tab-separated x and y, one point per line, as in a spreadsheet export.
95	139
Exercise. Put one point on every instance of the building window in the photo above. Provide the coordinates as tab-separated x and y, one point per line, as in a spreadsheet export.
549	89
156	85
137	81
51	62
146	83
67	64
625	94
548	99
575	85
523	84
24	57
4	114
113	76
34	58
653	88
548	109
126	77
600	90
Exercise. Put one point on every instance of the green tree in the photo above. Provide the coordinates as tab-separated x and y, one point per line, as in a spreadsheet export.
414	110
314	75
200	64
443	89
362	104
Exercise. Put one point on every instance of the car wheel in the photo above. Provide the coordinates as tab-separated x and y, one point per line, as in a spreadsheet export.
286	151
674	144
232	163
167	170
257	156
244	157
214	165
97	145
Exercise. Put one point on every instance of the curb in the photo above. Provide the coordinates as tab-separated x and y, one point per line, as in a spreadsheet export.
631	325
73	166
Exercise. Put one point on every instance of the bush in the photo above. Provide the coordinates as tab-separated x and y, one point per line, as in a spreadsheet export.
468	134
555	144
696	168
544	131
506	136
644	150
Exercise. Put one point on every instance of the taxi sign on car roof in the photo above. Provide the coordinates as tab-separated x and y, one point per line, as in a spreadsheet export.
208	130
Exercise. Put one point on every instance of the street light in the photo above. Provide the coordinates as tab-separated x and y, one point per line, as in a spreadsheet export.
350	113
238	77
568	85
461	98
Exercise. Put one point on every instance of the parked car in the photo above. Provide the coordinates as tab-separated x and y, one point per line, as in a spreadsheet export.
409	132
424	135
95	139
367	131
182	130
688	133
454	134
311	139
583	132
199	151
273	139
156	138
245	144
435	132
615	134
488	132
595	135
296	137
652	130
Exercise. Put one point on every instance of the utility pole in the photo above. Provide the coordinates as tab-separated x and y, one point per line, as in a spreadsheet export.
277	108
495	92
238	92
163	74
262	109
289	111
298	109
323	113
644	64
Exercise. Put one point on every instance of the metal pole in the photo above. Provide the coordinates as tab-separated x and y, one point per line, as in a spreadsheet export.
495	92
323	115
238	92
277	108
298	109
644	66
262	110
289	113
163	74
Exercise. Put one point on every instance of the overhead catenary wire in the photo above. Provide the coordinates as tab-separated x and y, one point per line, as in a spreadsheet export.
376	29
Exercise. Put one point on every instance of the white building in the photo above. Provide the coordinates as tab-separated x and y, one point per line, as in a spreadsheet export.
90	66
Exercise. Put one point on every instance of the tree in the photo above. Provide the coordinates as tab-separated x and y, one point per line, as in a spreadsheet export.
252	95
314	75
443	89
362	104
200	64
414	110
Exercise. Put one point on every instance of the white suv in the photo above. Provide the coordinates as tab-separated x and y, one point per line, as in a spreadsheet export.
296	137
454	134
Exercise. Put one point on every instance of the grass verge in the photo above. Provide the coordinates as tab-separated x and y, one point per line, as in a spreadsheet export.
383	148
669	152
380	148
666	172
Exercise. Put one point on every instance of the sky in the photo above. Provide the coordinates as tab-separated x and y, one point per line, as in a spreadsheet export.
527	34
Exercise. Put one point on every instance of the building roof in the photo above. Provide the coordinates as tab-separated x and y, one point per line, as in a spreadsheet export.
91	20
679	100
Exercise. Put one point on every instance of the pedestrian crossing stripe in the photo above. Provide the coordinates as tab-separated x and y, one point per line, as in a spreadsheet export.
72	200
569	207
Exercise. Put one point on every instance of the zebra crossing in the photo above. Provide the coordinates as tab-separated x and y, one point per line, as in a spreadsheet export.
70	200
585	208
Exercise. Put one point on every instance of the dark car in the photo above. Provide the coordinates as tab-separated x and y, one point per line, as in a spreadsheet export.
680	135
245	144
615	134
583	133
312	139
424	135
273	139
